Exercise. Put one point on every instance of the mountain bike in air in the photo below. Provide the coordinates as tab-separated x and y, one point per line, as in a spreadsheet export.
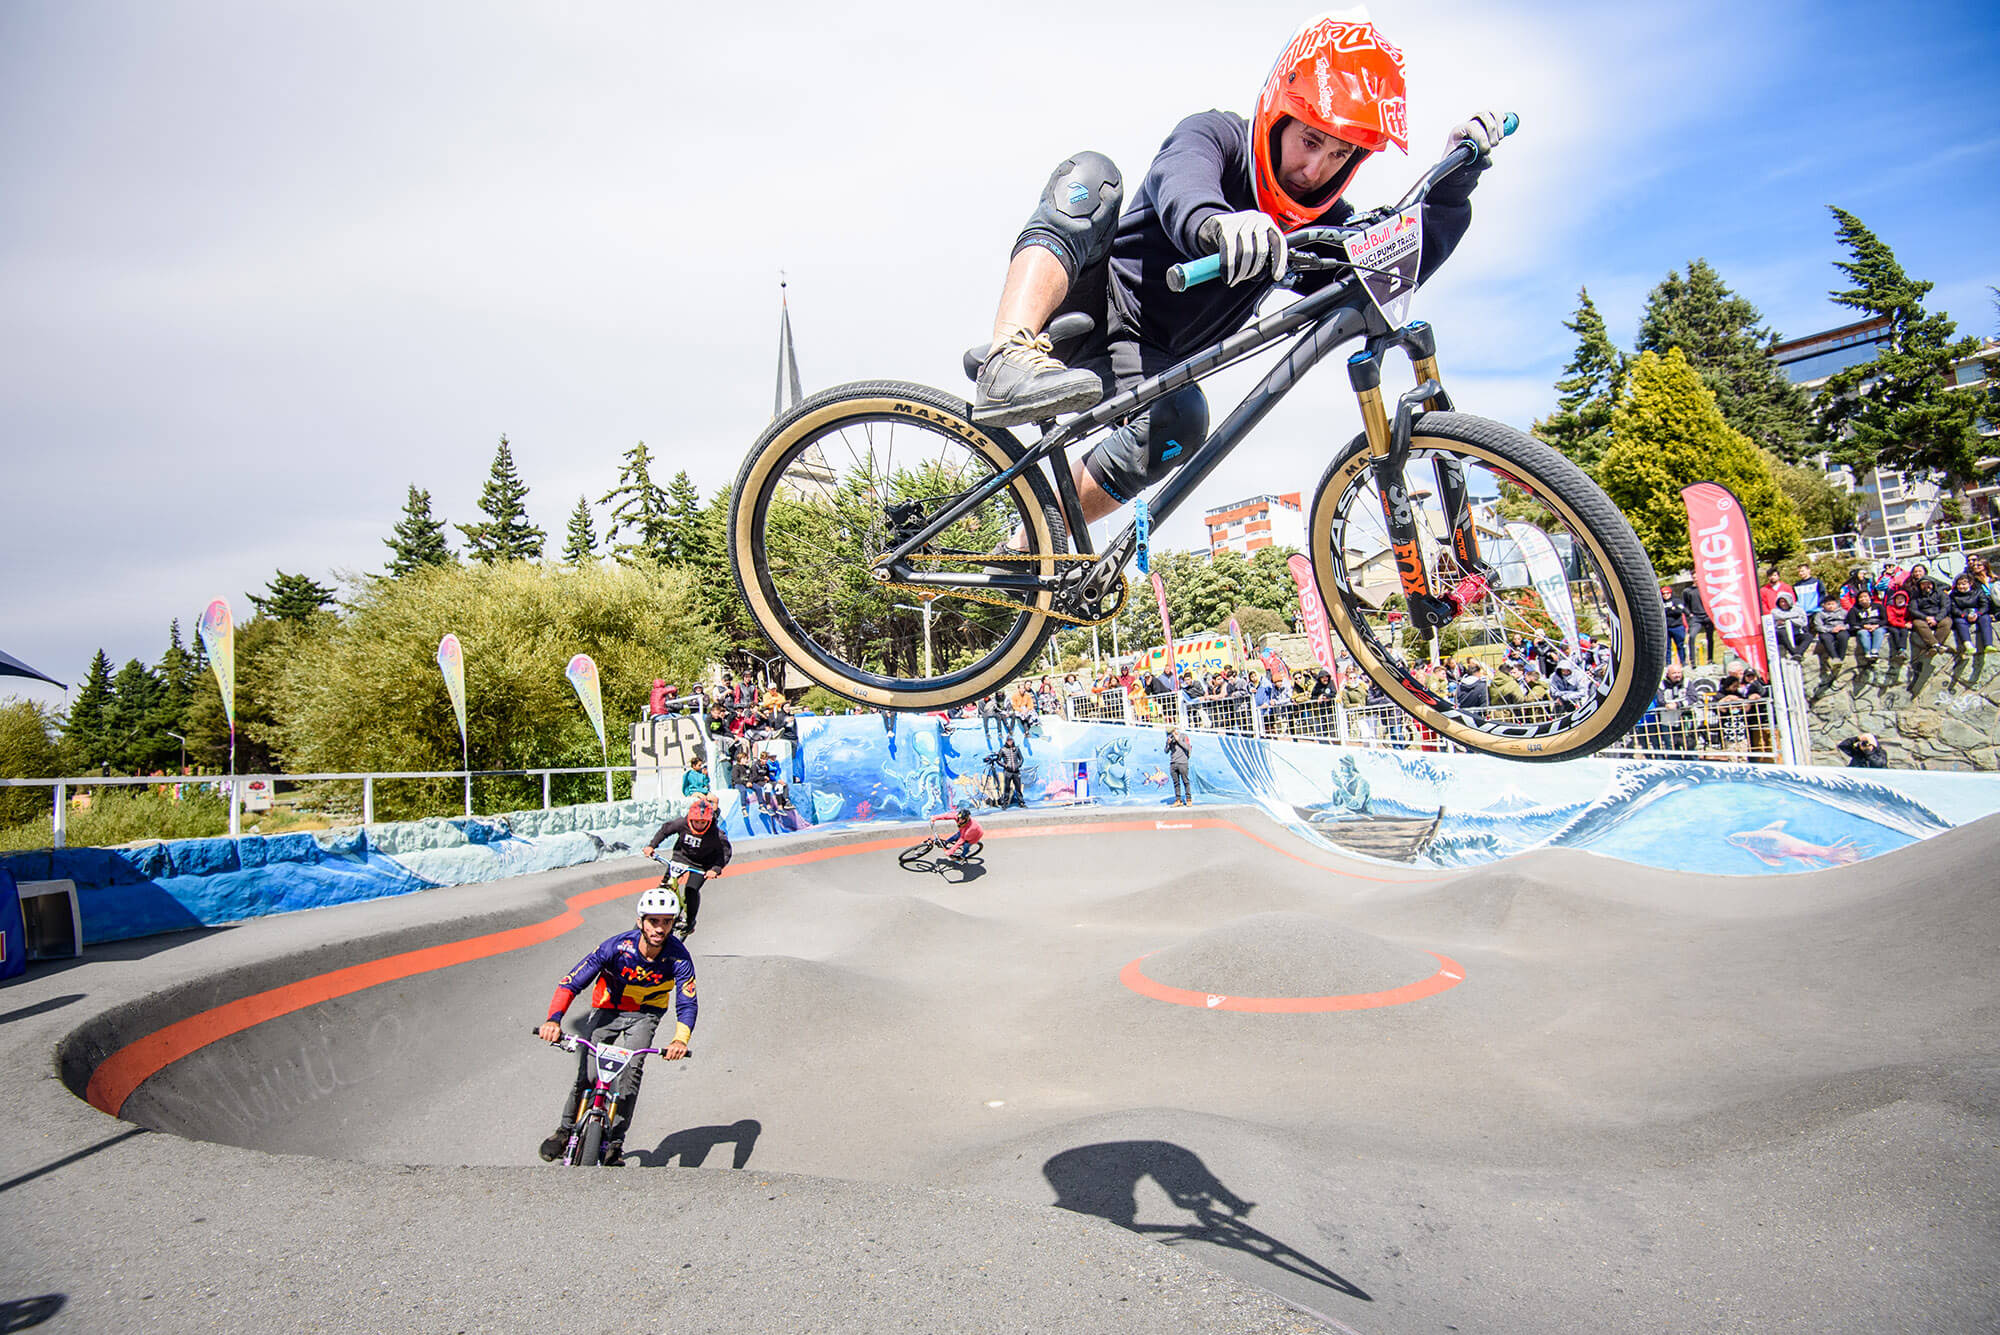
870	501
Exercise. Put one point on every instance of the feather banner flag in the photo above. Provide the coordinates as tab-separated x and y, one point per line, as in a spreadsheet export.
1312	611
451	662
1725	569
1166	628
218	637
583	675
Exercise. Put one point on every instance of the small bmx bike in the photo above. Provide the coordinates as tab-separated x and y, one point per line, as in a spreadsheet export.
927	856
607	1063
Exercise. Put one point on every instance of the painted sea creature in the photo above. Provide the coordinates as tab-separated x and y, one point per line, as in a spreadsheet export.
1771	846
1156	777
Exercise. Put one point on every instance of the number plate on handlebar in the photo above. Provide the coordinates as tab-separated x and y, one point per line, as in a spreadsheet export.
1394	246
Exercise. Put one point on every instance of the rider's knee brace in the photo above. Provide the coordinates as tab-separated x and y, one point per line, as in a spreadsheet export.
1138	454
1077	213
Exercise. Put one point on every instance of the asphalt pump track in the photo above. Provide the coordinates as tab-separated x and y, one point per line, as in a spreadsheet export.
1269	1089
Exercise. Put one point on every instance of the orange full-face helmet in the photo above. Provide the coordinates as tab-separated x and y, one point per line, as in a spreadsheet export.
1340	76
700	815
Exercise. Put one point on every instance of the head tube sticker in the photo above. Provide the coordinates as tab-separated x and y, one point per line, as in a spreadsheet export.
1386	256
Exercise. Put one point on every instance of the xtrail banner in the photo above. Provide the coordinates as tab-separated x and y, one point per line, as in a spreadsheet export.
583	675
451	662
1313	612
218	637
1545	569
1725	569
1237	637
1166	628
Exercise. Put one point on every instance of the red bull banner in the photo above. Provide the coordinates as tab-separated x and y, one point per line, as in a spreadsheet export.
1725	569
1166	628
1313	612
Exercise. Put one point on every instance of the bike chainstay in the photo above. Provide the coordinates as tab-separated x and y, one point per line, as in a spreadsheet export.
989	558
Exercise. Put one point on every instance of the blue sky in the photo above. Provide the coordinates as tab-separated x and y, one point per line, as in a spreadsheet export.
263	265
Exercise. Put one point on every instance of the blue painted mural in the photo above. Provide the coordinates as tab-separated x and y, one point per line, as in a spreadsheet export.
1418	808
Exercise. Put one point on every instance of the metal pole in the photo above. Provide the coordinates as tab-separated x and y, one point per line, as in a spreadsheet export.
62	814
368	800
607	776
465	753
235	798
545	790
927	636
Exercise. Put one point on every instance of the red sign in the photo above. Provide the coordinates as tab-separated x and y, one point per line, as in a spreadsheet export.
1725	569
1313	612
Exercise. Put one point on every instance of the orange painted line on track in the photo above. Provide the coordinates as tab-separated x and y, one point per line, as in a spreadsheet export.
118	1075
1449	975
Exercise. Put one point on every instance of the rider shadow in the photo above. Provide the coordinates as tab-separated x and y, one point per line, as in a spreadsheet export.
26	1313
959	873
1102	1180
692	1146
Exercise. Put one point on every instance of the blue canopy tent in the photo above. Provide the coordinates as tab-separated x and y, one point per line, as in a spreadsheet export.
11	666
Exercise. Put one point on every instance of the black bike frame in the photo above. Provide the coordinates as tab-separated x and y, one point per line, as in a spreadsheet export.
1323	321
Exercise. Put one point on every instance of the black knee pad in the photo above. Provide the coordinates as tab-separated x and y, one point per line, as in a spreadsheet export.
1136	455
1077	213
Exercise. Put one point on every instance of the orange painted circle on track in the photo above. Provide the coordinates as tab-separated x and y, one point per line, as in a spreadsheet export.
1449	975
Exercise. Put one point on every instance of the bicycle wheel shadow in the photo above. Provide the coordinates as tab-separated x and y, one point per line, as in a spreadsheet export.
960	871
1102	1180
692	1146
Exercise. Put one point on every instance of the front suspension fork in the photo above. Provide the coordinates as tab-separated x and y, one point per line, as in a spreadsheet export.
1389	448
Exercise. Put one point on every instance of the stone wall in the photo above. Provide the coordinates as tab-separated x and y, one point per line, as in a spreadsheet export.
1948	719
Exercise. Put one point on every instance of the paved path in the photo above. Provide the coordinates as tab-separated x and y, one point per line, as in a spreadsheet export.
1597	1098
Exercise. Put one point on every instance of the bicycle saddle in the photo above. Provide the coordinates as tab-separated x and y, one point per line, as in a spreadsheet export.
1062	329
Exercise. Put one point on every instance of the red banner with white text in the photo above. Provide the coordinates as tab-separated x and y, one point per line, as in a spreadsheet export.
1725	570
1313	612
1166	627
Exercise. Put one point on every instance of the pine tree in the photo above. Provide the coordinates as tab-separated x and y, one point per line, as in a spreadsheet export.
1580	427
580	545
1723	338
685	530
638	512
1902	409
506	535
418	539
176	689
129	722
296	598
1668	433
85	744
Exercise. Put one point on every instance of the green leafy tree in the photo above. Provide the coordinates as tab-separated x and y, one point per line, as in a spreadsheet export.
131	722
1723	337
1668	433
294	598
1902	409
688	538
1824	506
28	750
367	695
263	645
86	743
1580	427
637	528
506	534
418	540
580	543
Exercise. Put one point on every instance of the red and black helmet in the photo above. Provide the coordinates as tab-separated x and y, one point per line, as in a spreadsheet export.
701	815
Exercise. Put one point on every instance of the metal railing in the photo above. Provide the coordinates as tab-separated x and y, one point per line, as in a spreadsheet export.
1927	542
235	788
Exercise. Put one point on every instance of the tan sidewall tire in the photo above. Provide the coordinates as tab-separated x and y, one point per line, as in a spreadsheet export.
1583	740
920	404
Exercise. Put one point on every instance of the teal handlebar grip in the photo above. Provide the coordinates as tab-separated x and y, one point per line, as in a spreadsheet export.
1192	273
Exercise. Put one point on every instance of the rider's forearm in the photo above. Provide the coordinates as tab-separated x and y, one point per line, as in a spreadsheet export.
559	1003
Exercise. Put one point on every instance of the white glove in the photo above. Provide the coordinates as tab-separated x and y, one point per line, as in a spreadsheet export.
1482	132
1249	242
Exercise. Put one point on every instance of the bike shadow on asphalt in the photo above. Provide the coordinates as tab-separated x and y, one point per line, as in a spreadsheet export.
1103	1179
691	1147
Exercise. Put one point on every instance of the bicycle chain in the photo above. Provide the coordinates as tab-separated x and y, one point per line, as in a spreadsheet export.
990	558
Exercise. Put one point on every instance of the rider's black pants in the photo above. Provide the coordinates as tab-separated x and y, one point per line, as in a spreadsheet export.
625	1029
691	892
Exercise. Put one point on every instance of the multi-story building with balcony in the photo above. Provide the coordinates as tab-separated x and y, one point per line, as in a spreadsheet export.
1261	521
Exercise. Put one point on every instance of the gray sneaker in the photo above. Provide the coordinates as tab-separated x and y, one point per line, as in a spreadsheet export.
1022	382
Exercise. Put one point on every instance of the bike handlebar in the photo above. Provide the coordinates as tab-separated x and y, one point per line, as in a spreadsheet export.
1193	273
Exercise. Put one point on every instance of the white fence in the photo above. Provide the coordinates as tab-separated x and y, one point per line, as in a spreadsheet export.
1920	544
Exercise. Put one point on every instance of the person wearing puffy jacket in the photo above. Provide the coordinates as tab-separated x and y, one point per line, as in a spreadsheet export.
1790	621
1930	614
1830	630
1896	612
1971	615
1868	626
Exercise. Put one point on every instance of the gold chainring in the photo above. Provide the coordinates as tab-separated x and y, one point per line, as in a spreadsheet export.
933	591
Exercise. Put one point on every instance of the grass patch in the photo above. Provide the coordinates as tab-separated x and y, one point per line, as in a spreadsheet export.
117	817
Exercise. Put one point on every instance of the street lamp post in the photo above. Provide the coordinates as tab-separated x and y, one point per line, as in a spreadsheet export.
184	748
926	610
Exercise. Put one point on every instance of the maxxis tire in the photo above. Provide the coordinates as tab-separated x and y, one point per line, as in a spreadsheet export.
1565	488
885	398
593	1142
